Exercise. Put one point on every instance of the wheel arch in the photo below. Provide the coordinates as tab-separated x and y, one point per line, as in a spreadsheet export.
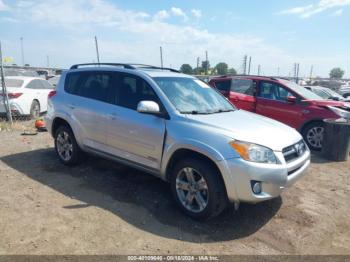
182	153
306	123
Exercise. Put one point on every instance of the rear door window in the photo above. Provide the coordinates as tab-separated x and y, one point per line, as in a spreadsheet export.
243	86
93	85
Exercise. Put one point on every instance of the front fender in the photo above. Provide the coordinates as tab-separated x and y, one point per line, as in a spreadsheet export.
189	144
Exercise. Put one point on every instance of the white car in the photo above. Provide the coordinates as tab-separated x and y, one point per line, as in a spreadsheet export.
345	91
27	95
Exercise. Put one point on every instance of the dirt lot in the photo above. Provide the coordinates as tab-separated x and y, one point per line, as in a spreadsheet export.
101	207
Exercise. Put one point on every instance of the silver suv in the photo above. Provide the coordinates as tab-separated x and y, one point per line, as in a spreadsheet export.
176	127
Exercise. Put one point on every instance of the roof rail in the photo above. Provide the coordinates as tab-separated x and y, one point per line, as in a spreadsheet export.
242	75
142	66
127	66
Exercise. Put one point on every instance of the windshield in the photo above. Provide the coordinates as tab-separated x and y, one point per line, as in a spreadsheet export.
192	96
305	93
321	93
12	83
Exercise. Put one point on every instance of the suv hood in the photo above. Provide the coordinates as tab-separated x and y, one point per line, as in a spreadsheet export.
249	127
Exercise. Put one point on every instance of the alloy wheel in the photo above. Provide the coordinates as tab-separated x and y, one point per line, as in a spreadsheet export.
314	136
64	146
192	190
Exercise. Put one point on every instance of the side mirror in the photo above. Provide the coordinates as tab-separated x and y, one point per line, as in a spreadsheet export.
148	107
291	99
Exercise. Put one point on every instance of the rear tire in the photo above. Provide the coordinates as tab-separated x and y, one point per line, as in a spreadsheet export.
347	95
35	110
201	197
67	149
313	135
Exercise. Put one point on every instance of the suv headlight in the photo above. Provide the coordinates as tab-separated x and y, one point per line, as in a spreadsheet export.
253	152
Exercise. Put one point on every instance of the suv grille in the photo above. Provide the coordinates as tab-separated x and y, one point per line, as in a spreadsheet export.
294	151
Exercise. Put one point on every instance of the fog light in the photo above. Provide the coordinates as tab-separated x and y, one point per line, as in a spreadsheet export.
256	187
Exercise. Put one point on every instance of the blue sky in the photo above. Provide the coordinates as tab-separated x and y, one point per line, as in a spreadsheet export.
275	33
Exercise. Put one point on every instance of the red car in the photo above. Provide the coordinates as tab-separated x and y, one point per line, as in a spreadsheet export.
284	101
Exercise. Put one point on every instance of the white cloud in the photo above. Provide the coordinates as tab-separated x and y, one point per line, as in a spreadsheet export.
161	15
297	10
179	12
310	10
3	6
132	36
196	13
338	13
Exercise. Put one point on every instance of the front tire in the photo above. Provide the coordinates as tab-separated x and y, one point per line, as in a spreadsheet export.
313	135
198	189
66	146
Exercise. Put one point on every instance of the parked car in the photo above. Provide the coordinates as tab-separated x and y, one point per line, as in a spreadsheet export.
27	95
326	93
284	101
176	127
54	80
345	91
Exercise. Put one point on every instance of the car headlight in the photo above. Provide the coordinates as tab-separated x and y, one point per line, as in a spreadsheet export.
253	152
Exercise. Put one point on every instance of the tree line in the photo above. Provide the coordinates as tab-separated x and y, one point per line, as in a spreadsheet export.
223	69
220	69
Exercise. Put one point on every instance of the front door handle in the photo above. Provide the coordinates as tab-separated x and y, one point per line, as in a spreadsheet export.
71	106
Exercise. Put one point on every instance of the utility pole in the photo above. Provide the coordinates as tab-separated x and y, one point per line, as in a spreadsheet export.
48	61
250	62
311	72
206	62
278	71
97	51
297	73
161	57
259	69
4	91
22	52
245	64
197	62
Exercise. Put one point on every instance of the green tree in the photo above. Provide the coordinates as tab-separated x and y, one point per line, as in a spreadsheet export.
221	68
336	73
232	72
205	65
198	70
186	69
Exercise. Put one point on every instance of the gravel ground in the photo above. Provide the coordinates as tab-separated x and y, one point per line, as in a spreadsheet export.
101	207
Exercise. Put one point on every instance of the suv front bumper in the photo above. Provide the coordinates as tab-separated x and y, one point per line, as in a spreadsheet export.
238	175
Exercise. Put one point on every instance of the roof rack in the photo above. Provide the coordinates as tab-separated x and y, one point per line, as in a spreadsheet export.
127	66
142	66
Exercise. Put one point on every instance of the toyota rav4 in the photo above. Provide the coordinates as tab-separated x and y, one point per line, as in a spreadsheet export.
176	127
284	101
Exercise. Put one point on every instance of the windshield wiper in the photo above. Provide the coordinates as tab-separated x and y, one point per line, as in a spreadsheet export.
222	111
194	112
